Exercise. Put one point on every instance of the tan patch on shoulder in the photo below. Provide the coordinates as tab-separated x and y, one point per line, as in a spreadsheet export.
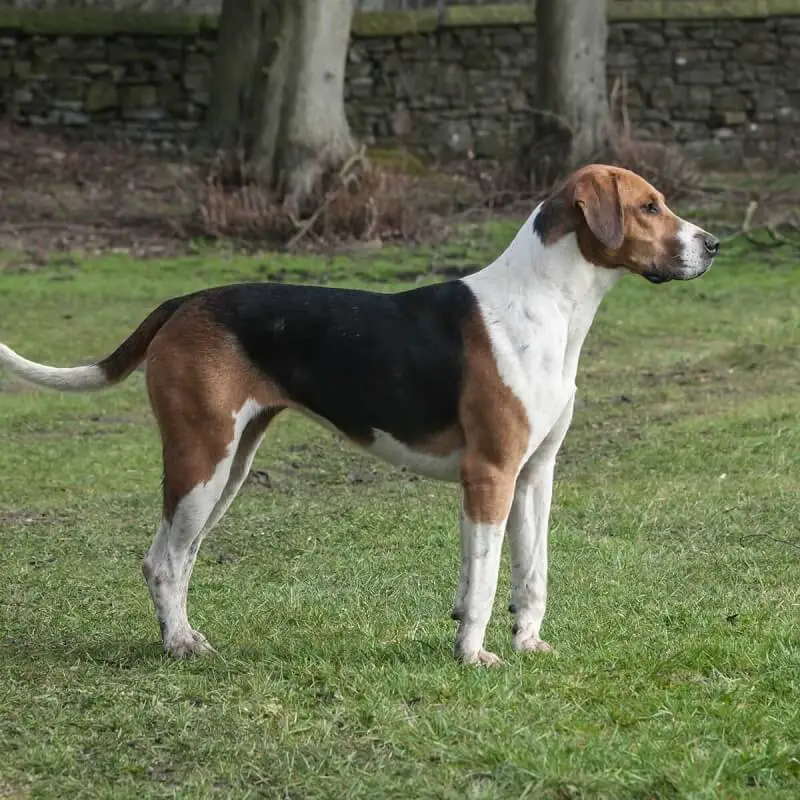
198	379
496	429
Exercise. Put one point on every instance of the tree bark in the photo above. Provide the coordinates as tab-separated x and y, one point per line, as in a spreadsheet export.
277	92
234	71
571	96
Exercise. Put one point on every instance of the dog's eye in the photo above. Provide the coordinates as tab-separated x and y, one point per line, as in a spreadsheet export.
651	207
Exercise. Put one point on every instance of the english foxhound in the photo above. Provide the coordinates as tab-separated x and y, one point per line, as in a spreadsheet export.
471	380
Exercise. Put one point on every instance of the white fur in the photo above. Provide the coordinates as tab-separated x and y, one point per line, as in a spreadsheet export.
444	468
393	451
538	304
477	587
693	255
66	379
528	524
169	562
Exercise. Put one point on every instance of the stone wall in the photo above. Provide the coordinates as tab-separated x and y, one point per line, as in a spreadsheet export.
186	6
134	86
723	85
213	6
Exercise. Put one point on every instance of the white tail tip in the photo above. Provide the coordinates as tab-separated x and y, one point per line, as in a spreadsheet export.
65	379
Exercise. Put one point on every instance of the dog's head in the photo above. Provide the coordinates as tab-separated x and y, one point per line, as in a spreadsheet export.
620	220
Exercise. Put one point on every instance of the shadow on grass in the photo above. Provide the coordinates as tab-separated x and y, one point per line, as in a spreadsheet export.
335	652
113	653
352	652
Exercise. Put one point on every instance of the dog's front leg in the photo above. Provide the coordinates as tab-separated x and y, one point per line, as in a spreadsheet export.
527	538
528	525
463	573
487	495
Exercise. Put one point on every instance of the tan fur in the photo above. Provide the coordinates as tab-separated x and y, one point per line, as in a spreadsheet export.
649	238
599	202
597	197
442	443
124	360
496	430
197	379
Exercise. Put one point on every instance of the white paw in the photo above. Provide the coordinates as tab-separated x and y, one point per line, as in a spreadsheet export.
482	658
531	644
191	643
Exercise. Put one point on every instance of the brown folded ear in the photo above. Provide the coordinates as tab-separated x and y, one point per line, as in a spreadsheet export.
597	198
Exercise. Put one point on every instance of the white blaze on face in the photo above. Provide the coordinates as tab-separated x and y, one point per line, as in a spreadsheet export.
695	259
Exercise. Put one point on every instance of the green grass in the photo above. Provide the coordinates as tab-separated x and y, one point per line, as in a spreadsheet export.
675	559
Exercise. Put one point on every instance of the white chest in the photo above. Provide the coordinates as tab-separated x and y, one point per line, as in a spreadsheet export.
539	367
538	305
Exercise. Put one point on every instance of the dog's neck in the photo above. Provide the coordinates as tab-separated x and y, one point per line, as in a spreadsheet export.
536	277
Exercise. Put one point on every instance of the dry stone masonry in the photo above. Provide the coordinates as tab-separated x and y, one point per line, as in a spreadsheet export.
724	85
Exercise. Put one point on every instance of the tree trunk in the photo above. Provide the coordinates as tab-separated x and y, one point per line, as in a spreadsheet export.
571	96
278	90
234	70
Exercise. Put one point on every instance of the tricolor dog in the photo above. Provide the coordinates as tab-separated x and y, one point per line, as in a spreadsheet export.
470	380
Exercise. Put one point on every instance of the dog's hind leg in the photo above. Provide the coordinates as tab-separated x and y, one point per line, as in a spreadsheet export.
251	438
212	408
249	442
167	564
190	515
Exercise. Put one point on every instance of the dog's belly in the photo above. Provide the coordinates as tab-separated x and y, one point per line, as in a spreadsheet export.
443	467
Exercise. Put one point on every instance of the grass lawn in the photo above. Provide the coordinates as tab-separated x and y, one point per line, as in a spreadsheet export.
675	558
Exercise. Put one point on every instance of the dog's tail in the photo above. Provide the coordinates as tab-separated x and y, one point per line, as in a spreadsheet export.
112	369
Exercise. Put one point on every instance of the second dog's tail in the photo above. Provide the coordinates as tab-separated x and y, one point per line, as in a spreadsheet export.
112	369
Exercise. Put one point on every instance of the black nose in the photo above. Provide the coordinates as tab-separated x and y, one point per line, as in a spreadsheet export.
711	244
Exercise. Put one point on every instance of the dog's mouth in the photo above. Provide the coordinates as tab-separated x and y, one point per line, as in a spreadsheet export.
655	277
685	274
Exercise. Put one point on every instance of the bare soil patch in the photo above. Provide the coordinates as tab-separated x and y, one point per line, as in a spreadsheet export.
59	195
